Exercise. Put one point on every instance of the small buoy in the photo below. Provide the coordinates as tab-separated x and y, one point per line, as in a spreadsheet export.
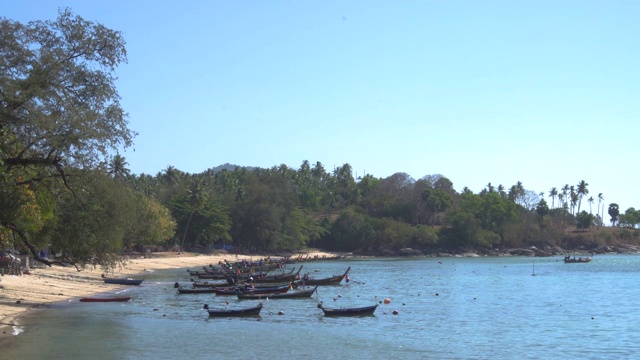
339	295
437	294
280	312
206	306
176	285
387	301
592	318
165	315
395	312
155	309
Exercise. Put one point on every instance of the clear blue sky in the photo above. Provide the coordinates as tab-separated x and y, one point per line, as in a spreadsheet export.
542	92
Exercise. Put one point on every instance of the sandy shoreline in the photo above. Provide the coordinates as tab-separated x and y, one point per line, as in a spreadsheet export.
19	294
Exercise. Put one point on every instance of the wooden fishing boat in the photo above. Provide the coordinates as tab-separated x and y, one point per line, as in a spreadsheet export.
264	290
206	284
105	299
196	291
288	295
332	280
359	311
569	260
119	281
278	278
252	311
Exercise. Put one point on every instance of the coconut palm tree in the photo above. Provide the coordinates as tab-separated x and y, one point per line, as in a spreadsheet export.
574	202
601	201
196	200
582	191
170	176
490	188
501	191
118	167
552	194
590	200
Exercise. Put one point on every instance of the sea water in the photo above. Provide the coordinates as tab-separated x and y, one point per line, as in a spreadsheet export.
447	308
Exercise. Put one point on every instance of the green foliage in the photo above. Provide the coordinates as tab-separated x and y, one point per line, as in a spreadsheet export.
542	209
435	201
153	224
59	111
584	220
92	222
614	212
487	239
462	230
351	231
630	219
423	236
200	226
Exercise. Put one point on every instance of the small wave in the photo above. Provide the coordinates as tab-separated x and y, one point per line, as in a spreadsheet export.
17	330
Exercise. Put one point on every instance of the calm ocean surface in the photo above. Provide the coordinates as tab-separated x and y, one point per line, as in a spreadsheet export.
449	308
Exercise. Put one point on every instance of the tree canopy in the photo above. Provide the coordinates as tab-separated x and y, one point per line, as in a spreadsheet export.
59	112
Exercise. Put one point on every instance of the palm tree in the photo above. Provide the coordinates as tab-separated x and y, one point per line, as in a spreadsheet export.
171	176
490	188
614	212
196	199
501	191
574	202
552	194
565	191
561	199
582	191
590	200
118	167
601	200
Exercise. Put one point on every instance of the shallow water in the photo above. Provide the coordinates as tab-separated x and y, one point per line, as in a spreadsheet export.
449	308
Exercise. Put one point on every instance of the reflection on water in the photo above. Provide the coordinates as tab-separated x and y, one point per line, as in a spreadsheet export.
448	308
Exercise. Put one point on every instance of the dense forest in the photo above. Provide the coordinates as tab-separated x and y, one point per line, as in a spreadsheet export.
66	190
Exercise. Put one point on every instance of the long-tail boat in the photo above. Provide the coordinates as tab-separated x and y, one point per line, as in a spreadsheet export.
252	311
265	290
122	281
288	295
358	311
332	280
105	299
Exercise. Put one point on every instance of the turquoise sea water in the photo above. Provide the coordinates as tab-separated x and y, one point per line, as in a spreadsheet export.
448	308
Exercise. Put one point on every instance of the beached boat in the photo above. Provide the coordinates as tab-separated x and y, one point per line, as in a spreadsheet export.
127	281
288	295
252	311
359	311
332	280
105	299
